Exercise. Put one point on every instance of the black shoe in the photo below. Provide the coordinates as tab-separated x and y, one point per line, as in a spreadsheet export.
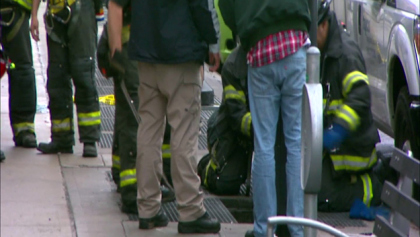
89	150
26	139
204	224
129	209
54	148
167	194
2	156
160	220
249	233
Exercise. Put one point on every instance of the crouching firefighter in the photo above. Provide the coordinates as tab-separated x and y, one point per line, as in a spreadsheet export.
349	135
71	38
229	133
126	81
16	44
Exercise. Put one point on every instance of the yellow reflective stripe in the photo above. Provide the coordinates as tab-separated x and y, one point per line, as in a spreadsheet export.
367	189
61	125
353	163
54	6
125	35
246	124
352	78
213	166
349	115
19	127
128	177
166	151
231	93
25	3
116	162
333	106
89	119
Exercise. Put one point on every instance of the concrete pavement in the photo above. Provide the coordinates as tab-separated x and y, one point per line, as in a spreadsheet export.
67	195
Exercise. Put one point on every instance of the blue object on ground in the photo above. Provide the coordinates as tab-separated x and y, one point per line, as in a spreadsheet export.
359	210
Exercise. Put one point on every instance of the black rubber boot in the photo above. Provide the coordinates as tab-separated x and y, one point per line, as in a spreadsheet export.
160	220
54	148
204	224
26	139
2	156
249	233
89	150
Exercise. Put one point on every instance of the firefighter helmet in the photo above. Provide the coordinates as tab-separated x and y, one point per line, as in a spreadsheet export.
323	10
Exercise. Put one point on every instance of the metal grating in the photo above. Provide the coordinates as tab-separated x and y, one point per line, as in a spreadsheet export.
106	140
107	124
105	90
107	111
214	207
340	219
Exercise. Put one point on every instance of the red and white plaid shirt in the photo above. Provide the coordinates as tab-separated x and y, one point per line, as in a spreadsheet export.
275	47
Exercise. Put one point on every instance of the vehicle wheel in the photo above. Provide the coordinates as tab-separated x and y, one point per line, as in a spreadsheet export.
404	131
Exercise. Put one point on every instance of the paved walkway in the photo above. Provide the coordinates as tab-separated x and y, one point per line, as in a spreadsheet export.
67	195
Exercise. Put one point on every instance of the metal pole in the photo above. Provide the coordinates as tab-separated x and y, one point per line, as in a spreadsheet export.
311	212
313	6
313	56
311	198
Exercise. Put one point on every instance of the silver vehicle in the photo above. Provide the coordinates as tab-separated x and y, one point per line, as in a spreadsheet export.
388	33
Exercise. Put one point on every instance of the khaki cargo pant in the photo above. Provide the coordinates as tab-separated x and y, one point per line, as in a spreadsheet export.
171	90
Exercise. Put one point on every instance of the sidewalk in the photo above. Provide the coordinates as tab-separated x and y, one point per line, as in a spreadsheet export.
71	196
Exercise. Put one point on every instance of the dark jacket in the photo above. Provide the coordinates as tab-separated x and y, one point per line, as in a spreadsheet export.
168	31
347	101
234	114
253	20
229	133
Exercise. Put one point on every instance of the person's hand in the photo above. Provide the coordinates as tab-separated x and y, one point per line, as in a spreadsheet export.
214	60
34	28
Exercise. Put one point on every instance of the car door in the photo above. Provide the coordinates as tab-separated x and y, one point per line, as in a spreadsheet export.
371	19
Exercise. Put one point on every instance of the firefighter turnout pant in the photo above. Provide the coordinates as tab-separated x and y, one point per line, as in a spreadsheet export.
124	149
16	43
337	194
71	54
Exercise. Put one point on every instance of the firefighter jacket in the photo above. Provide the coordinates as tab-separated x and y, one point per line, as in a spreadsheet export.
229	134
347	102
234	115
27	4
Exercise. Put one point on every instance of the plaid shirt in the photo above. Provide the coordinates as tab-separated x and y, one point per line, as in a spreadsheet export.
275	47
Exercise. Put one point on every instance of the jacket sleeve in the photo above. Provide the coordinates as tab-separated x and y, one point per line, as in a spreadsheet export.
202	17
356	94
235	96
227	10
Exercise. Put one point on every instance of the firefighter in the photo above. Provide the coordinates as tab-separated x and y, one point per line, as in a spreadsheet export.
16	44
229	133
71	38
349	135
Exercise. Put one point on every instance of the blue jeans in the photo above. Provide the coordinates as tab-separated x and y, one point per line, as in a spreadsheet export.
274	88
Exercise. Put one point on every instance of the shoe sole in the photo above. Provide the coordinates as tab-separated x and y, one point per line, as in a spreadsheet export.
150	225
90	155
197	230
28	145
61	151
